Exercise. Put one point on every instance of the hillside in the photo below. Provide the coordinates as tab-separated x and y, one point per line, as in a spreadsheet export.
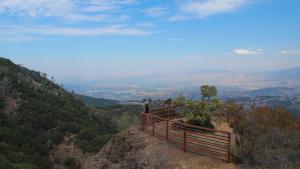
134	149
123	116
97	102
37	114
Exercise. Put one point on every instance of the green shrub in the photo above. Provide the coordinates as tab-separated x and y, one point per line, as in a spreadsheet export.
71	163
87	134
57	137
100	141
2	104
5	164
26	166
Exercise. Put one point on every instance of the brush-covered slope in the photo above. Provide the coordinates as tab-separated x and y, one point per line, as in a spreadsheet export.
36	114
97	102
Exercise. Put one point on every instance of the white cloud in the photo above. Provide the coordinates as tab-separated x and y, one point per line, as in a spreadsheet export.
77	10
290	52
212	7
246	52
145	25
107	17
156	11
35	8
28	32
178	18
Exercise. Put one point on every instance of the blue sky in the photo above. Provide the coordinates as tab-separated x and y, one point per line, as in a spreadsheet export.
90	39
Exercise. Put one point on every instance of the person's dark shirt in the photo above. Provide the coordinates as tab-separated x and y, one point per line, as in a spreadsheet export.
147	108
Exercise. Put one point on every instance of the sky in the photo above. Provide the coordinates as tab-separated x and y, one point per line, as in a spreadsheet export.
94	39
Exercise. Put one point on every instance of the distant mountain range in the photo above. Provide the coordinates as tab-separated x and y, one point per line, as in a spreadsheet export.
290	103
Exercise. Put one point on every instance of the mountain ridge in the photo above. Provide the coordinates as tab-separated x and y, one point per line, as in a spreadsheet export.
37	115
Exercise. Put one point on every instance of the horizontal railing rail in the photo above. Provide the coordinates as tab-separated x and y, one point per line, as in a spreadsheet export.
205	141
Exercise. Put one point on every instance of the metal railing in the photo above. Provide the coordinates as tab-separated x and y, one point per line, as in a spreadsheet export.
200	140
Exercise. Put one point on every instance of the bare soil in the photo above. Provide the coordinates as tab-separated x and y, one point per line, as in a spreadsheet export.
134	149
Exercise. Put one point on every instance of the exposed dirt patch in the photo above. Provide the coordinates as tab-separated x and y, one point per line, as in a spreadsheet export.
65	150
10	105
133	149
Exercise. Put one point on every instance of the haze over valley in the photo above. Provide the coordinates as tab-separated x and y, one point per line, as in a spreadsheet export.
230	84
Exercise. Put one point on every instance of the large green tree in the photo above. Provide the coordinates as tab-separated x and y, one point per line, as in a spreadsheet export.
199	112
208	91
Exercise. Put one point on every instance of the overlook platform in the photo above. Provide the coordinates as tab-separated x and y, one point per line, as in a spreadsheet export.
165	123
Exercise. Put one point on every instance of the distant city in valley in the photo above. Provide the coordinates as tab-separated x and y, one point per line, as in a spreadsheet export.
230	85
274	88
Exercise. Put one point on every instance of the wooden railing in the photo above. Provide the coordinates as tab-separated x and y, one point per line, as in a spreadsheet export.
205	141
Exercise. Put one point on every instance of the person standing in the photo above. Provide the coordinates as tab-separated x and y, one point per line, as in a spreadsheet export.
147	110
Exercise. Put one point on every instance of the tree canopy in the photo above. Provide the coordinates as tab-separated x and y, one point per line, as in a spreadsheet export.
208	91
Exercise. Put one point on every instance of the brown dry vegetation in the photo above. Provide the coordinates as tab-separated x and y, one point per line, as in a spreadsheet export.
267	138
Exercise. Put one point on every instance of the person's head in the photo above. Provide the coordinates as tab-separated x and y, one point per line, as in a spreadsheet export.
146	102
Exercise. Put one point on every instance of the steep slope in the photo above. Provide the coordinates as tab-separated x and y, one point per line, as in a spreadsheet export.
123	116
36	114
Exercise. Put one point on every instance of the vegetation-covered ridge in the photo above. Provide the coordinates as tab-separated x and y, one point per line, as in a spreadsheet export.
97	102
36	114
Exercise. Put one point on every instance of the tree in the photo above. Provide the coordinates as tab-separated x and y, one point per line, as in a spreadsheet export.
199	112
44	75
168	101
2	104
208	91
71	163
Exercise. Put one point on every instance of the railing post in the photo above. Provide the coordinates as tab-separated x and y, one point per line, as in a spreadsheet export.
153	128
167	130
229	147
184	138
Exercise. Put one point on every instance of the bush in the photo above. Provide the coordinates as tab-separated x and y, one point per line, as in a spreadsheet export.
267	138
2	104
87	134
69	127
100	141
57	137
5	164
71	163
197	112
26	166
277	149
203	123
